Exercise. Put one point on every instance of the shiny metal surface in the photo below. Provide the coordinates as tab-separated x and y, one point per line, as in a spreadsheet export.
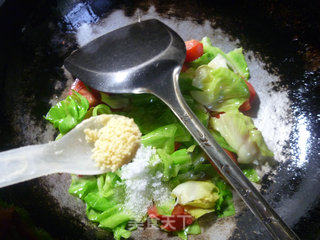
151	65
133	59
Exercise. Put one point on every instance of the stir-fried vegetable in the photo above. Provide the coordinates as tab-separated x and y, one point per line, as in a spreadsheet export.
91	95
246	106
197	197
251	174
215	86
222	89
194	50
177	221
104	196
238	63
66	114
240	133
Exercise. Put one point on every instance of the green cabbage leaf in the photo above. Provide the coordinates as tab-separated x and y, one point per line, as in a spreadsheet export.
104	197
224	206
66	114
235	58
221	89
240	133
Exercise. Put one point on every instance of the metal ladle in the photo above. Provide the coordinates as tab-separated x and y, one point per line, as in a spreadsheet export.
147	57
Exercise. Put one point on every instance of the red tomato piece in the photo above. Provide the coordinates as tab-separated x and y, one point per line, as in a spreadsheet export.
91	95
194	50
251	91
246	106
77	85
178	220
153	212
177	145
178	209
217	115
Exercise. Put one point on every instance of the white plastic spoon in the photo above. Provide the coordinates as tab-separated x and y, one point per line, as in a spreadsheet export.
70	154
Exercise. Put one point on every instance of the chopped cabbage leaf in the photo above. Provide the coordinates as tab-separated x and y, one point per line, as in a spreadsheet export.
221	141
238	63
240	133
166	208
68	113
172	164
192	229
197	212
150	113
80	187
121	232
203	60
222	89
201	194
101	109
234	59
224	206
251	174
161	138
104	196
198	110
197	197
208	48
218	62
198	169
209	53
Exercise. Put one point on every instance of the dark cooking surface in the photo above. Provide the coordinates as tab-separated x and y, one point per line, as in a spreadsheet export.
35	39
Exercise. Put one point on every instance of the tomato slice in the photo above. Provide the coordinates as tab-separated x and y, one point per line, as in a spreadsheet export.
251	91
91	95
77	85
217	115
177	145
246	106
194	50
178	220
153	212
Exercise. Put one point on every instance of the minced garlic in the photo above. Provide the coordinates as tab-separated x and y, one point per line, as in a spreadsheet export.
116	143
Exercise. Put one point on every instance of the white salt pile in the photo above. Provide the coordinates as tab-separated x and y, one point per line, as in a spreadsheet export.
142	187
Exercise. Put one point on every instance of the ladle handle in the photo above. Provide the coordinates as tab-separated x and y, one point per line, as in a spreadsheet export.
249	194
22	164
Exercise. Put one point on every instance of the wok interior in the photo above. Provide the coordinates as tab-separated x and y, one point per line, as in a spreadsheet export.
283	54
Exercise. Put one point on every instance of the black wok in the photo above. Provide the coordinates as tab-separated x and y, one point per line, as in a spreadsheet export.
282	45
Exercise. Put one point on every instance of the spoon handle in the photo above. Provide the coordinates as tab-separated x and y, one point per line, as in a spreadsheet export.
249	194
22	164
